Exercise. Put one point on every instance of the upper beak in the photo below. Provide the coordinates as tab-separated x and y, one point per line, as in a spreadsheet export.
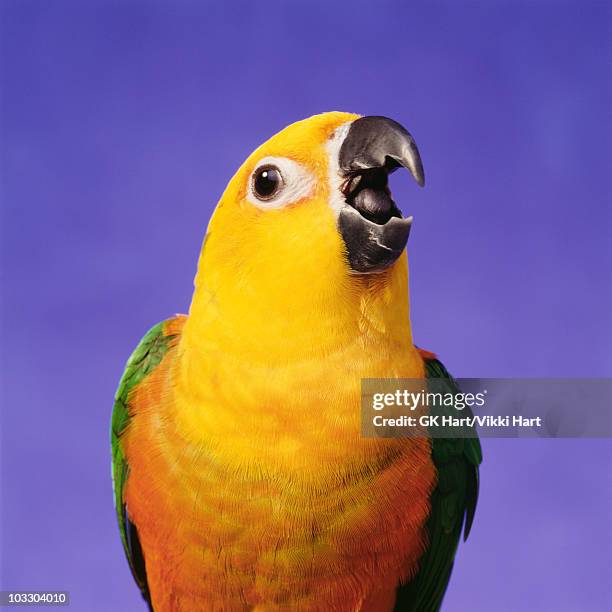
371	225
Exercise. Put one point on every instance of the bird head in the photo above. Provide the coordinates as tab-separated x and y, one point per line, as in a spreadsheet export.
308	227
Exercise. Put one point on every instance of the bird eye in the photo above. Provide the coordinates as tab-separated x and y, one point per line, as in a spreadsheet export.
267	182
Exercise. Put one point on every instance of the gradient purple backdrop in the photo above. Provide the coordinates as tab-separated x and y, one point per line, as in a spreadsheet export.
121	125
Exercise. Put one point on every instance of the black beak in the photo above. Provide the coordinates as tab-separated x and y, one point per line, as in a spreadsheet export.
371	225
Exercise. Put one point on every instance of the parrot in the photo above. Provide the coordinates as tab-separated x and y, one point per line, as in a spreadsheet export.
241	477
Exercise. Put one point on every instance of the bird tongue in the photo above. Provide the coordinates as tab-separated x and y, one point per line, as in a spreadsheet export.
374	204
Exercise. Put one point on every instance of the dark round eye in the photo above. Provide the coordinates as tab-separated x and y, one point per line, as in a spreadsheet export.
267	182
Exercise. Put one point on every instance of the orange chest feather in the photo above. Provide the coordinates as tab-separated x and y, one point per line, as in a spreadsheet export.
256	535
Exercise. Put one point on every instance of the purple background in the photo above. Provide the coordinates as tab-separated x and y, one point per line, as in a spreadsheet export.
122	123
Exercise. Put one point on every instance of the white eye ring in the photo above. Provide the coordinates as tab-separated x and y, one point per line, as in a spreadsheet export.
296	183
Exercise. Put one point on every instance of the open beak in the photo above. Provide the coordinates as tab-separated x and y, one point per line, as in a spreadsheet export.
371	225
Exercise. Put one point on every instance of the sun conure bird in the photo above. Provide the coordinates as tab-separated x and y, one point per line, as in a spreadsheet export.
241	478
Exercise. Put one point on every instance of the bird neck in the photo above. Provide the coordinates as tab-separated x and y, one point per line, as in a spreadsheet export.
271	317
282	370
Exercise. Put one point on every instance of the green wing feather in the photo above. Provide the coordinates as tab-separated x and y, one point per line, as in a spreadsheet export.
453	503
141	363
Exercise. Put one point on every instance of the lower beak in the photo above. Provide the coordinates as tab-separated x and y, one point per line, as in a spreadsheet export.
371	225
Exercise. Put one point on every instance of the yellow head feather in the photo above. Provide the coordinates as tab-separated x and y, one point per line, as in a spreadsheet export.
273	285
